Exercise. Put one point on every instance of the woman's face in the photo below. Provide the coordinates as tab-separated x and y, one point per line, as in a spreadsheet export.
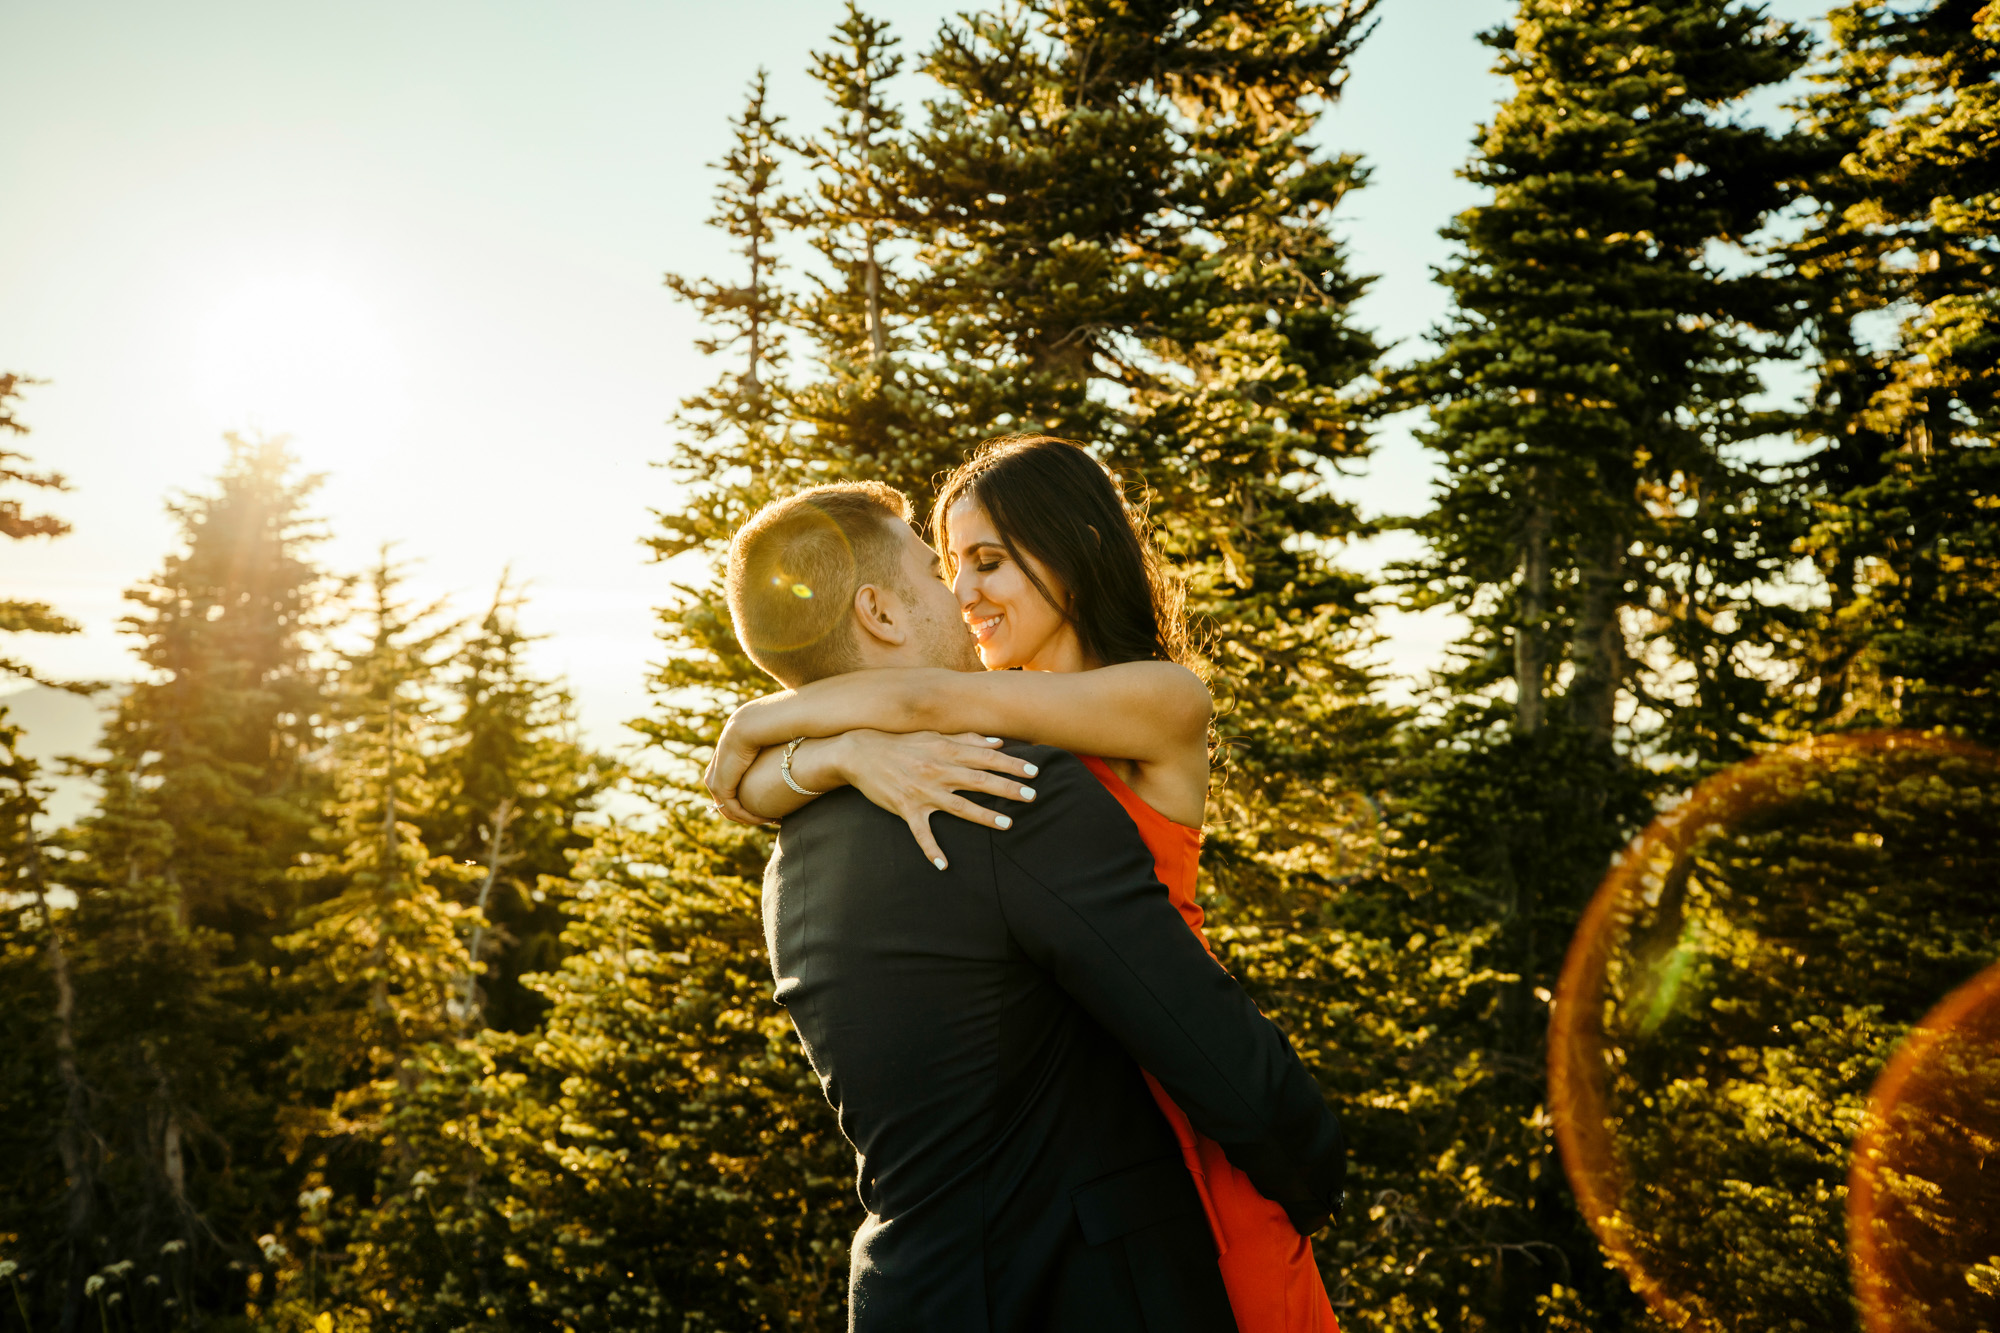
1013	623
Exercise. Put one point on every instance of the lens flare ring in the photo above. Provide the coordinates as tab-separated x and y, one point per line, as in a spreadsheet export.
1733	976
1923	1198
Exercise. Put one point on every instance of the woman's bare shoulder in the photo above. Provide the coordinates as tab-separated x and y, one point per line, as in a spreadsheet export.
1166	684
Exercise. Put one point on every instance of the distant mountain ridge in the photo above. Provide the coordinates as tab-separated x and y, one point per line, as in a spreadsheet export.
53	723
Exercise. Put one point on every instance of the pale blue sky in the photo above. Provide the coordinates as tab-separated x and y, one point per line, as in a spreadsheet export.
427	240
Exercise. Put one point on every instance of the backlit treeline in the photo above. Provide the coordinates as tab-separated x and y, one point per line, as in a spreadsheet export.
214	981
344	1009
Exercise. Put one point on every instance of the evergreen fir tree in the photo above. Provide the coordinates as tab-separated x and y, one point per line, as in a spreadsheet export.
854	217
1128	240
17	524
1906	473
380	968
421	1124
40	1143
1592	382
656	1154
213	751
734	430
180	881
513	785
866	413
47	1180
1611	534
381	955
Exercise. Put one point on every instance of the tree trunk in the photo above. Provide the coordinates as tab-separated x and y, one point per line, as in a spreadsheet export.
1597	644
1836	657
756	323
495	842
1530	629
172	1154
172	1160
390	860
878	337
72	1143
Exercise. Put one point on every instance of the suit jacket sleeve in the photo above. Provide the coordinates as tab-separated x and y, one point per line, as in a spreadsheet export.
1077	886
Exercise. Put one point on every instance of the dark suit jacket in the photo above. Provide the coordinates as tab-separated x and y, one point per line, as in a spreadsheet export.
981	1031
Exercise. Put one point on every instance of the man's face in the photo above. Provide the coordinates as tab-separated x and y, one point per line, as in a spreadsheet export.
938	633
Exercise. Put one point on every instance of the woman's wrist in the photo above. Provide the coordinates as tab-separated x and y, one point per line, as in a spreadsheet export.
843	754
821	764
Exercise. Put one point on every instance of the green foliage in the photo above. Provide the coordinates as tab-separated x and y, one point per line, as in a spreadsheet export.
40	1091
209	783
512	785
1611	535
39	1087
417	1135
656	1154
16	524
260	940
160	1129
1591	389
1737	1061
1905	477
1125	238
381	962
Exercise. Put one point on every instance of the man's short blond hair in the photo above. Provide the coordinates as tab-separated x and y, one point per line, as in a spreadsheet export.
794	569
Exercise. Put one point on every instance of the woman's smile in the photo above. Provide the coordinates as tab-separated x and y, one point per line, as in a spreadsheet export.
1006	597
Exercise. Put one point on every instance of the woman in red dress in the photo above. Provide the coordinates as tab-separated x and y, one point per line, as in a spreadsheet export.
1055	576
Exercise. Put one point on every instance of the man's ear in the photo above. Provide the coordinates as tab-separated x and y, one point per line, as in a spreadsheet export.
879	614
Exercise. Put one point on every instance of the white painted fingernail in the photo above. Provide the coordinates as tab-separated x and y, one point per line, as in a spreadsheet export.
993	740
938	861
1027	793
1004	822
1031	770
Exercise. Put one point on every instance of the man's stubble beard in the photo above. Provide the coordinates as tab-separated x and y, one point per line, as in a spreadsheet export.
949	644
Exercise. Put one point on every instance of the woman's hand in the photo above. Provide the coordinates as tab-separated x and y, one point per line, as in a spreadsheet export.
735	750
919	773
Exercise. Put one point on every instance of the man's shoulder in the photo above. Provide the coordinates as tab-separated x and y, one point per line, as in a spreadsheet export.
1069	799
838	811
1060	779
1051	764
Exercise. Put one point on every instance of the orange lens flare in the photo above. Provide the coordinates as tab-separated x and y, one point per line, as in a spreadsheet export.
1742	974
1923	1200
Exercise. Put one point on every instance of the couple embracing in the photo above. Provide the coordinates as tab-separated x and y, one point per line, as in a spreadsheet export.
1066	1114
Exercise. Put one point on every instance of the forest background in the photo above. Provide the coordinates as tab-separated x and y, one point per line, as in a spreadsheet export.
350	1003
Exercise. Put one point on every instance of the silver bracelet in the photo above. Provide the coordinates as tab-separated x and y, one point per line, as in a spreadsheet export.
786	768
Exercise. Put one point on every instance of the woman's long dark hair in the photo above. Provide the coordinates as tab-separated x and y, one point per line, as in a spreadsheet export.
1050	499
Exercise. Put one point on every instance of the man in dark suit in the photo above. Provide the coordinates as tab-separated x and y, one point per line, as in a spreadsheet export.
981	1031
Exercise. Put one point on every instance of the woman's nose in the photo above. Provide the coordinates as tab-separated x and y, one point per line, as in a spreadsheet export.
964	587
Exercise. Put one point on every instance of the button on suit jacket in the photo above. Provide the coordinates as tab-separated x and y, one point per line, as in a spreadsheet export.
980	1032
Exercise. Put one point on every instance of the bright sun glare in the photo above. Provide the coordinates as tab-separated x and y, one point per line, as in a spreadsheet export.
297	351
